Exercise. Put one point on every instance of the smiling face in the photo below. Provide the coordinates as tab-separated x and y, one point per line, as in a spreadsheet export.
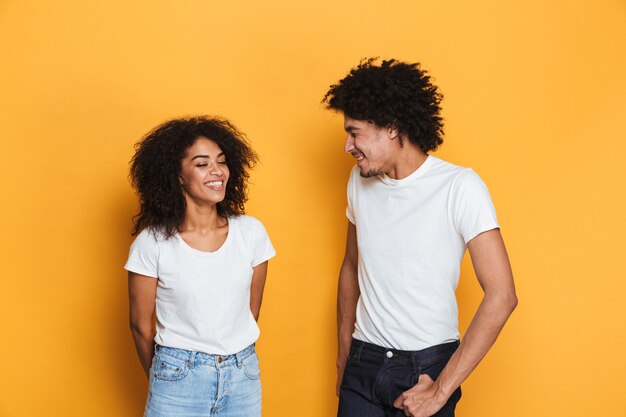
204	173
372	146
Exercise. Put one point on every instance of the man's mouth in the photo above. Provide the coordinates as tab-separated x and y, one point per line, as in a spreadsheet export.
358	156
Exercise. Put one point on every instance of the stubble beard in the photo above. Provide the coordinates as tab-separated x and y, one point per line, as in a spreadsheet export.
370	173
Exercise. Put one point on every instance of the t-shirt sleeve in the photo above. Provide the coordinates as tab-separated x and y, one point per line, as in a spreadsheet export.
144	255
473	211
350	189
263	249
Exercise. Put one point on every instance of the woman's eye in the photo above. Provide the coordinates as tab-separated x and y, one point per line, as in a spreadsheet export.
202	165
221	162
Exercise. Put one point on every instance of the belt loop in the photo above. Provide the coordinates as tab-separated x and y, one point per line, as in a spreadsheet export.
192	359
238	359
414	364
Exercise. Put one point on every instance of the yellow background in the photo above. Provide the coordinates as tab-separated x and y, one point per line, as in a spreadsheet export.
535	94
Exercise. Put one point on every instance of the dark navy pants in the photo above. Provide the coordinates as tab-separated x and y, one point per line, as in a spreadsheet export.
375	377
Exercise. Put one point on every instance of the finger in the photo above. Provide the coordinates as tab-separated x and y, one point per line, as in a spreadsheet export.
403	403
398	402
425	378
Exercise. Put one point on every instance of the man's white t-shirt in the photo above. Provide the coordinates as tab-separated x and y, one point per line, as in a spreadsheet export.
203	298
412	234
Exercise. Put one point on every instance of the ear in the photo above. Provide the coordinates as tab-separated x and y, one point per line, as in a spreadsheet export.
392	131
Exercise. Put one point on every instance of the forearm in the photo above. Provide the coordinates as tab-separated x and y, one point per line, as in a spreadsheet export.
144	344
345	327
347	299
257	287
482	333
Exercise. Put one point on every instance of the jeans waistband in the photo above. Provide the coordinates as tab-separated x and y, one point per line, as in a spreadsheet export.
192	357
423	356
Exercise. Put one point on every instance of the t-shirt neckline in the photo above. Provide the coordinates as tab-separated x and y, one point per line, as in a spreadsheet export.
412	176
206	254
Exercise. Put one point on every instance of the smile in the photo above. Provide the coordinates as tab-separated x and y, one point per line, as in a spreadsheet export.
214	184
358	156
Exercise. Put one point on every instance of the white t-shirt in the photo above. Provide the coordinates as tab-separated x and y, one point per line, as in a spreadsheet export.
411	235
203	298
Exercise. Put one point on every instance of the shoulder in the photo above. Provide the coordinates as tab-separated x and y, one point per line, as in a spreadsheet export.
247	223
148	238
355	174
468	178
439	166
469	188
457	175
356	181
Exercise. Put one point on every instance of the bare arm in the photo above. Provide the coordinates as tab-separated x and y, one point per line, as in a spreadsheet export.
493	270
256	288
347	298
142	296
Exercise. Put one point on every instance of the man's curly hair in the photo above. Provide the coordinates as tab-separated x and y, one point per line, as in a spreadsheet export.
395	94
156	167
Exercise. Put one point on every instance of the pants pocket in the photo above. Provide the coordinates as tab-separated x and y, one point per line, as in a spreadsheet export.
400	381
433	369
167	368
250	366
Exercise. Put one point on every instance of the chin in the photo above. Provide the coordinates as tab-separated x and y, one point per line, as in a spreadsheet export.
365	173
213	201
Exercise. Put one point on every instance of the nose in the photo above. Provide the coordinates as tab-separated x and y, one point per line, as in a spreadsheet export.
215	169
349	145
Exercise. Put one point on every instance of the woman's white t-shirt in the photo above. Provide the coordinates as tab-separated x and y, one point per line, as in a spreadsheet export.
203	298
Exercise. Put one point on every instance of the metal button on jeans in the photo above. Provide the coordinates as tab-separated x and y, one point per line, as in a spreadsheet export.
389	354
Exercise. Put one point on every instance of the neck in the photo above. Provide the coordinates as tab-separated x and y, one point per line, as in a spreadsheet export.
201	217
410	157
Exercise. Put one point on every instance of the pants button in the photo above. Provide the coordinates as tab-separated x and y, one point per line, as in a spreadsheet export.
389	354
219	359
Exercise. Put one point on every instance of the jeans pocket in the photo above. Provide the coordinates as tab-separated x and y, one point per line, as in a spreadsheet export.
433	369
166	368
397	380
250	366
353	353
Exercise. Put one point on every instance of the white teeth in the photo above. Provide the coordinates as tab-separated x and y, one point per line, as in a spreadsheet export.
215	183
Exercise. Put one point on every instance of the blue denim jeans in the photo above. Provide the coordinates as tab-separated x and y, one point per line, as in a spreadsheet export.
374	377
188	383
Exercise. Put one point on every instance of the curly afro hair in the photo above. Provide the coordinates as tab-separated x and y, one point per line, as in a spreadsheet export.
393	93
156	167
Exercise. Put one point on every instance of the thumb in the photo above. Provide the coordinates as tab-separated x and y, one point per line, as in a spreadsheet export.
399	401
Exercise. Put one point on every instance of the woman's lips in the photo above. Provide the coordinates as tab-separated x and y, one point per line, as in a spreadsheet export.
215	185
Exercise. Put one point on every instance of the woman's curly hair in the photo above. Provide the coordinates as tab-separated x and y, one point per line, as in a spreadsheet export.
395	94
156	167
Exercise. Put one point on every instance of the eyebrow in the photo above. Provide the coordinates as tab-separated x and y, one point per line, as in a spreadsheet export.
206	156
350	129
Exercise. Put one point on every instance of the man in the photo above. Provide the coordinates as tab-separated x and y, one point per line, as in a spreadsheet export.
411	217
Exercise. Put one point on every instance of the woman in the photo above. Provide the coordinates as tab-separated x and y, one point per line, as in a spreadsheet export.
201	264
